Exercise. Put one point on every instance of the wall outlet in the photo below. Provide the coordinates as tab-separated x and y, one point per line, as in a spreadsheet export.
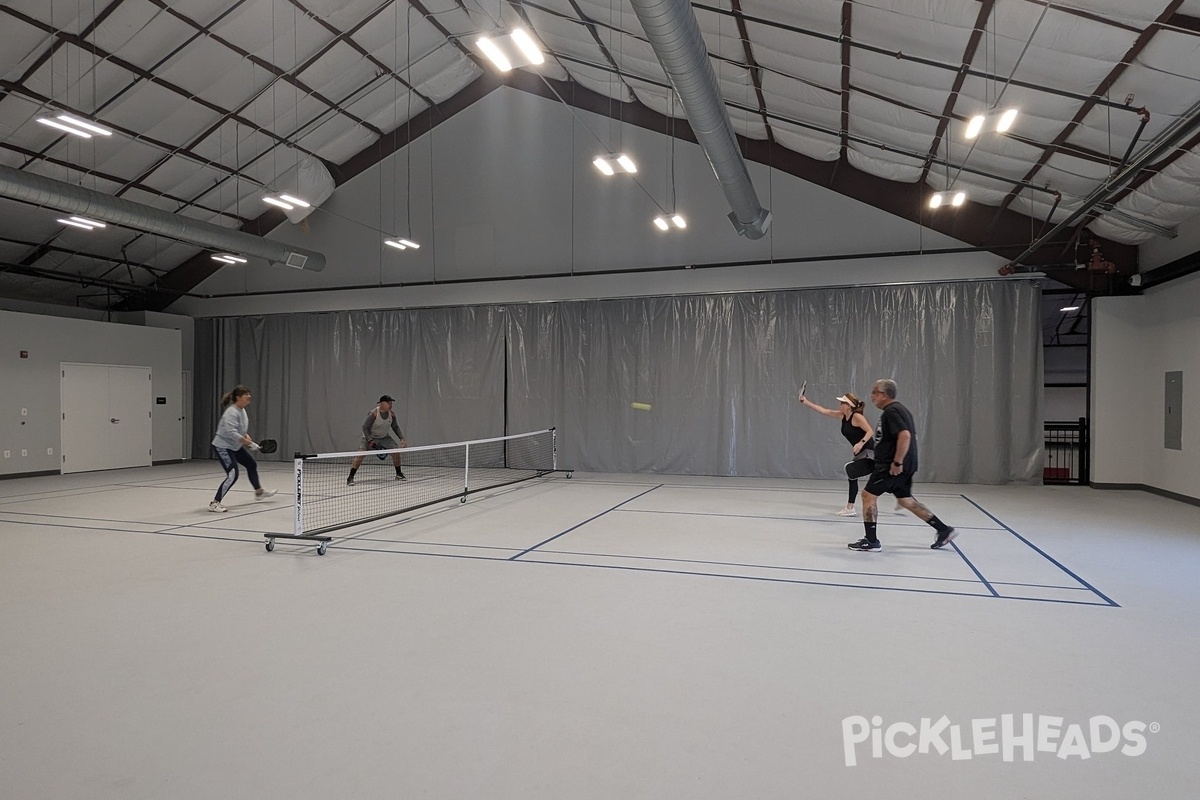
24	453
49	451
8	453
24	412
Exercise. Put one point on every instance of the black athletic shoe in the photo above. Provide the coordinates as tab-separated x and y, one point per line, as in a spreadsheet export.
863	544
349	481
400	476
944	538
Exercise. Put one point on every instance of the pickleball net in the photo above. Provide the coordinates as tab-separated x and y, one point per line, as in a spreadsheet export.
432	474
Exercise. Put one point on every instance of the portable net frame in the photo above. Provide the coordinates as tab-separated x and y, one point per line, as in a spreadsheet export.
432	474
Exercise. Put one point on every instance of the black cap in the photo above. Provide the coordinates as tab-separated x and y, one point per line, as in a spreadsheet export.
387	398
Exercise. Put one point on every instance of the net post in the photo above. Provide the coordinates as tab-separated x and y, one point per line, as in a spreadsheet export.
298	469
554	449
467	470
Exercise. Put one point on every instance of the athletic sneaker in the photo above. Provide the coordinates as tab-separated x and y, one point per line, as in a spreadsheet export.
847	512
217	508
263	494
349	481
863	544
944	538
400	476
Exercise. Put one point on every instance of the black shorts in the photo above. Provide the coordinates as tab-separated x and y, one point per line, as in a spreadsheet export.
882	481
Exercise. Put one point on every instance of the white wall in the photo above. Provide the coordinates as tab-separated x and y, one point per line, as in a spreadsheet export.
506	188
33	383
1135	342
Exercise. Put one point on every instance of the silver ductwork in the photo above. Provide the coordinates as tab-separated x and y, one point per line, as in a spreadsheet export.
674	34
39	190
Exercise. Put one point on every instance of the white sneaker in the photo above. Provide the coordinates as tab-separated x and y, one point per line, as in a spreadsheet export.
263	494
847	512
217	508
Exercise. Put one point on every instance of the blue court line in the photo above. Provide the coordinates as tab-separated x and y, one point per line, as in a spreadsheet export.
1044	554
692	573
174	531
789	490
585	522
836	521
978	574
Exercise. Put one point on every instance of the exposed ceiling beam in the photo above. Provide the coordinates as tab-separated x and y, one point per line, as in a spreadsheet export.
985	11
1138	45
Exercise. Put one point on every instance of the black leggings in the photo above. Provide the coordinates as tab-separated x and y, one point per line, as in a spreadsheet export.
229	461
858	468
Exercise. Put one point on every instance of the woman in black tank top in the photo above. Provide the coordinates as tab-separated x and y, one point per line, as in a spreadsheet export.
859	434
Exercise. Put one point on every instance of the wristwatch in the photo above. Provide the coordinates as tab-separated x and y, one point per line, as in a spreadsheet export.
897	464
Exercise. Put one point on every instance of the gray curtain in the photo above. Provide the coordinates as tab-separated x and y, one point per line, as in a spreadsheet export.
720	374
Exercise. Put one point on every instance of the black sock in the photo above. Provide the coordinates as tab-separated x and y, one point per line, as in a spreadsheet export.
938	525
853	492
869	527
353	470
398	471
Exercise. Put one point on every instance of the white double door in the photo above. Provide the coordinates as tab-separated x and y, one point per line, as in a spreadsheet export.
107	420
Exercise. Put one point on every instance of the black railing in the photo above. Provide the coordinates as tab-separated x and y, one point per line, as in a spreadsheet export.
1066	445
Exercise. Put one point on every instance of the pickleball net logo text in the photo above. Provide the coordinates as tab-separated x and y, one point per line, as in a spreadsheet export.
1010	737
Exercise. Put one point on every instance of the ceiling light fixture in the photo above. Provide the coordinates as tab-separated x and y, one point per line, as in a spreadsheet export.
402	244
998	120
277	202
517	49
1069	308
662	224
296	201
665	223
67	128
81	222
229	258
224	259
612	164
947	198
90	127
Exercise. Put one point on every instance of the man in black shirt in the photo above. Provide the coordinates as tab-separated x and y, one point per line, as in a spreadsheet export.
895	465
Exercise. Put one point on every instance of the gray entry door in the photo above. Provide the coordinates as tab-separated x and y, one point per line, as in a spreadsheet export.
106	422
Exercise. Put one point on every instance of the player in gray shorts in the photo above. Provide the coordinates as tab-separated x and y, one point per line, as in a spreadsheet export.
380	432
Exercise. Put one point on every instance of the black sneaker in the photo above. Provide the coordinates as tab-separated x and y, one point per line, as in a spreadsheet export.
944	538
864	544
349	481
400	476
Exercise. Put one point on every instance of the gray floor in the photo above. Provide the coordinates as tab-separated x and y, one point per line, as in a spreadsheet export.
608	636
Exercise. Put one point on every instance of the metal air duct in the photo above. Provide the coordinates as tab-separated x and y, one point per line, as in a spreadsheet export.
28	187
674	34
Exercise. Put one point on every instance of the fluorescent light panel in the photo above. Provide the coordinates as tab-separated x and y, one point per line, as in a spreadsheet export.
280	203
525	44
67	128
394	243
75	224
296	201
493	53
679	221
91	223
90	127
1000	122
612	164
661	223
947	198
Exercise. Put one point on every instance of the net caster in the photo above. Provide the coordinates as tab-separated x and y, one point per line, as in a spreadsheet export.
270	545
322	547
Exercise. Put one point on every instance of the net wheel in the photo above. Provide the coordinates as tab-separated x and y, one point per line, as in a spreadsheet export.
270	545
322	547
